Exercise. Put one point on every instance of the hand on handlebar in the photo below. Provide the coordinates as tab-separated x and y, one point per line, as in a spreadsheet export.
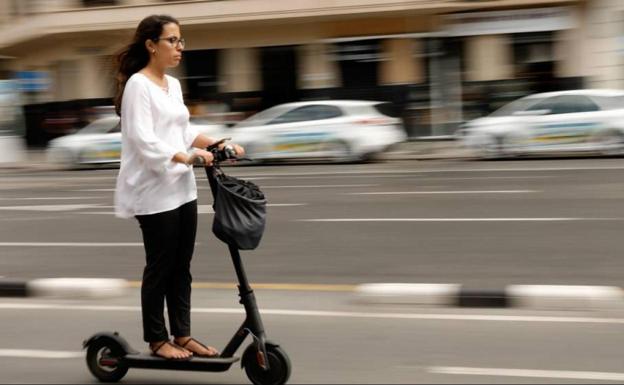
234	151
222	151
201	157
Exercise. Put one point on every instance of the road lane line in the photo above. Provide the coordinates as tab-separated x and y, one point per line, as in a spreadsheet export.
321	186
201	209
576	375
455	219
286	204
425	171
307	186
30	218
487	177
50	198
50	207
445	192
32	353
70	244
328	314
423	177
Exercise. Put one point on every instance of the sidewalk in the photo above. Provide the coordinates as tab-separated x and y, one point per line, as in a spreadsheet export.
428	150
35	159
31	159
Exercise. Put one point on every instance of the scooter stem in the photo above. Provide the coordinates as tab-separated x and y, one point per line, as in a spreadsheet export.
253	321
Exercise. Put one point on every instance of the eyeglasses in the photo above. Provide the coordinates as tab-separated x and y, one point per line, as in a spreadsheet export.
174	41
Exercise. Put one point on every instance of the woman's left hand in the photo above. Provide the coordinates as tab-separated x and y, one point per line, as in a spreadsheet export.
240	151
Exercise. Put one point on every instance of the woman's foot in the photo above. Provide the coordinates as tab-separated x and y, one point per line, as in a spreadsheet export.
169	351
196	348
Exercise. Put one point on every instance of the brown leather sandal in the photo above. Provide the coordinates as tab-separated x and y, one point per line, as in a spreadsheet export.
217	354
159	346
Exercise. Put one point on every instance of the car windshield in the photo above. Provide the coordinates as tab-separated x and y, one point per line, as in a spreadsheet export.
615	102
263	116
100	126
515	106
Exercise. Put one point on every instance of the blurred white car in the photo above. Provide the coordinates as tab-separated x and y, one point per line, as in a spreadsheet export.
589	121
340	130
99	143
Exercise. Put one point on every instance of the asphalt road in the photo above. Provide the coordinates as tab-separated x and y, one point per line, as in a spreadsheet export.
330	339
477	223
484	224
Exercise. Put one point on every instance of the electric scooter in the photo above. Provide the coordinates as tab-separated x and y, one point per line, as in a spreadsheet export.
109	356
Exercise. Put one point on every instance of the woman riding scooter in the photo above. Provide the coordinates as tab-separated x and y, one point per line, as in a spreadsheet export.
156	183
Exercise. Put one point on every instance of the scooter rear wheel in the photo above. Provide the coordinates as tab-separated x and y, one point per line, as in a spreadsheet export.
279	365
103	361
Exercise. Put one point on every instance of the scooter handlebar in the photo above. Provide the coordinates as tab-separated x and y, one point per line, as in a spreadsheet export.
223	154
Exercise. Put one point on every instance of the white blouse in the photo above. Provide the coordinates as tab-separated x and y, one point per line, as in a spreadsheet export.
154	127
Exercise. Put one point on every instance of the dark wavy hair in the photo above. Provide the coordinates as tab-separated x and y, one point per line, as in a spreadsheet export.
134	57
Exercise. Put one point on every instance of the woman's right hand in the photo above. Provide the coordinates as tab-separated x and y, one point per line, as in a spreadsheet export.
206	156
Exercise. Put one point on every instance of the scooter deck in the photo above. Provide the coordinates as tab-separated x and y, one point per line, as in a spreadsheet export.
148	361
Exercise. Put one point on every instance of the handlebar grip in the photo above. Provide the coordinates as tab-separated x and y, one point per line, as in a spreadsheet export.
199	161
229	152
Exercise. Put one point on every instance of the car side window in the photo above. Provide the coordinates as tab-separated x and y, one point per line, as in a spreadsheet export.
569	104
302	114
546	104
566	104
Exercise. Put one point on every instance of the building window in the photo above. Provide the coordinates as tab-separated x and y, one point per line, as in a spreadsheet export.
358	62
201	74
98	3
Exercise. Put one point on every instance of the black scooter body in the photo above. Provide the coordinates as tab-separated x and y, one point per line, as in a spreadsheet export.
125	356
109	356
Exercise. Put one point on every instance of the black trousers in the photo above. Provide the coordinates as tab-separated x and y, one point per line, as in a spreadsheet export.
169	240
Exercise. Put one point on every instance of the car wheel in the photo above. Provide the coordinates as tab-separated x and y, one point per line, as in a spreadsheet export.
494	148
338	151
611	143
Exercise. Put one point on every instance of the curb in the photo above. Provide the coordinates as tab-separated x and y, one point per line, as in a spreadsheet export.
64	288
525	296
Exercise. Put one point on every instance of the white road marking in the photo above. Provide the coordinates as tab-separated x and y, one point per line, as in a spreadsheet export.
49	207
445	192
321	313
576	375
304	186
205	209
49	198
398	175
427	171
58	178
487	177
201	209
31	353
321	186
30	218
69	244
286	204
455	219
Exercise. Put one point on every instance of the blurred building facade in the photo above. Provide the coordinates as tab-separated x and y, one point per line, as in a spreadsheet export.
441	62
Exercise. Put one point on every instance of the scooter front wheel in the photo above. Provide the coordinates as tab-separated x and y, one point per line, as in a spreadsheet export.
103	361
279	366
